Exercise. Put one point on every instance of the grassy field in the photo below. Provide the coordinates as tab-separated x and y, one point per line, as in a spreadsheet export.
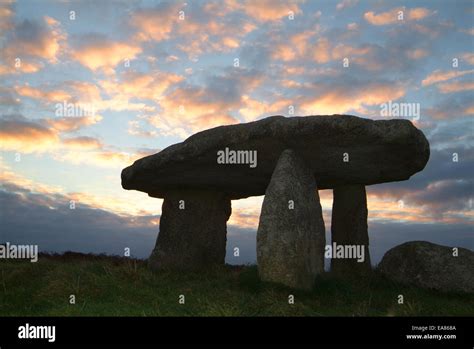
115	286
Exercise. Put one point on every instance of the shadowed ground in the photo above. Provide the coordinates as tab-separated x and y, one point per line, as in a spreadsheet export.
118	286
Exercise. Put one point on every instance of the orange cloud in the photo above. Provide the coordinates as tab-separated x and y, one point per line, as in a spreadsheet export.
417	53
440	76
254	108
29	43
321	53
468	57
211	35
36	40
324	52
98	53
192	109
156	23
419	13
42	94
269	10
6	16
341	100
69	124
283	52
74	92
83	91
26	137
140	85
393	16
299	46
230	42
457	86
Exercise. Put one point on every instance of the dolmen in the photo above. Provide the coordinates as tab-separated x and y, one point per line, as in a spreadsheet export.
287	159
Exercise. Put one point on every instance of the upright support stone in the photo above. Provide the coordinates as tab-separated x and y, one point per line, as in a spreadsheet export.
290	236
192	230
349	227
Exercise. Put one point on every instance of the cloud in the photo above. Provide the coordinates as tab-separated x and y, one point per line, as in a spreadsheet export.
440	76
97	157
198	29
43	135
451	107
6	17
345	4
67	98
337	98
195	107
421	195
70	124
253	108
135	129
204	32
457	86
322	51
98	53
82	143
92	227
41	94
269	10
468	57
55	196
30	42
417	53
25	136
54	227
155	23
133	84
394	15
469	31
299	46
341	51
302	47
82	98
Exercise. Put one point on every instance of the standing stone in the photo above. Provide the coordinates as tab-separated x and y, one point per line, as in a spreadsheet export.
192	230
349	227
291	240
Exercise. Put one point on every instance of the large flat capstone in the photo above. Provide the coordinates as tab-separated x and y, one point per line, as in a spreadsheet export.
338	150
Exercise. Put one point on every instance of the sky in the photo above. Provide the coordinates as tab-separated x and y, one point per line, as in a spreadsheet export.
87	87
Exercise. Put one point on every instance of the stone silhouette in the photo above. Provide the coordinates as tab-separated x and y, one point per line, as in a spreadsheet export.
193	230
349	227
291	236
431	266
212	167
339	150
